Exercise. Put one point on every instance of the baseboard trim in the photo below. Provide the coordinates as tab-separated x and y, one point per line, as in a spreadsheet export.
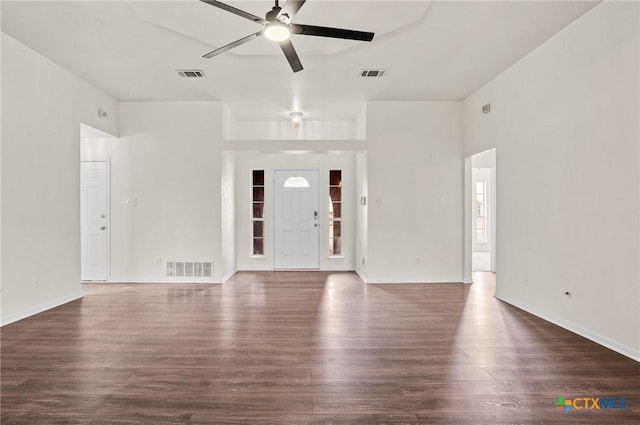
362	275
41	307
160	281
402	281
229	276
336	269
577	329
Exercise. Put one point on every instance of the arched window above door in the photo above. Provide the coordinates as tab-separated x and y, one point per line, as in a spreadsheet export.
296	182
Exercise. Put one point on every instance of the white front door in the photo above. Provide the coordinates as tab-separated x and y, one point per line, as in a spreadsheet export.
297	220
94	220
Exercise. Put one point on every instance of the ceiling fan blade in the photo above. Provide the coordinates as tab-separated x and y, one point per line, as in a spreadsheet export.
232	45
235	11
331	32
292	56
291	8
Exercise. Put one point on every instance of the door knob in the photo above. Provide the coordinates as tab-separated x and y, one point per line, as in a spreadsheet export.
103	227
315	224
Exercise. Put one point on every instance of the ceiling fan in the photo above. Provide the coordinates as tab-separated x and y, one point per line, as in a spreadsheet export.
278	27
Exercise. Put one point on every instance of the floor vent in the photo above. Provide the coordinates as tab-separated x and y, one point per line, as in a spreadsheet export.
189	269
190	73
373	73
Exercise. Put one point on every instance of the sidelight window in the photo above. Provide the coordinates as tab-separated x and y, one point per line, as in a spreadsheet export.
335	212
257	212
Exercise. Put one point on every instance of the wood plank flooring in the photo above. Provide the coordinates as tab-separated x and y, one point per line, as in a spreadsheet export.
303	348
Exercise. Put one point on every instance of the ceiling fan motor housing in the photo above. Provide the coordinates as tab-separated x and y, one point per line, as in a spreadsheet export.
272	15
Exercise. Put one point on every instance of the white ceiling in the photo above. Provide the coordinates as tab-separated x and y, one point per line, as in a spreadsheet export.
440	50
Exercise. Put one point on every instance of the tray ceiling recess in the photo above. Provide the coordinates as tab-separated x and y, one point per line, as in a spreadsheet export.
217	27
278	26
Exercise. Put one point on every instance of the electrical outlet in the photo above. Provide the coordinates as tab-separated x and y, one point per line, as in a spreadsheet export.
525	280
419	260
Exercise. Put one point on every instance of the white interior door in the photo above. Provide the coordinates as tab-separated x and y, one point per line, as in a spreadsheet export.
94	216
296	217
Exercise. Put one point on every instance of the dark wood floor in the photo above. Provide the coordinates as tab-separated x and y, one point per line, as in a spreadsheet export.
303	348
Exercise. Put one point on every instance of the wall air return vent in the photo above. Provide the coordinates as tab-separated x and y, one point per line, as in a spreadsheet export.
189	269
179	269
190	73
373	73
207	269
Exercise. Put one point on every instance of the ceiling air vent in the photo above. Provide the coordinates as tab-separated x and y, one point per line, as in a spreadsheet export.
373	73
190	73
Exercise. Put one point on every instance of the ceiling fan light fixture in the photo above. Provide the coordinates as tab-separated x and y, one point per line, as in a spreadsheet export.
277	31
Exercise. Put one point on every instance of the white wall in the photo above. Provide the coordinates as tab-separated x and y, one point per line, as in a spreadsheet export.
42	108
283	130
249	160
565	123
312	128
228	215
414	160
362	226
169	159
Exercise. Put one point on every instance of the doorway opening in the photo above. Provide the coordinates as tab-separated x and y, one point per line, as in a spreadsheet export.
482	211
95	209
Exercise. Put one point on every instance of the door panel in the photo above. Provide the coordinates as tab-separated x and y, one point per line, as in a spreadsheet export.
296	219
94	219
